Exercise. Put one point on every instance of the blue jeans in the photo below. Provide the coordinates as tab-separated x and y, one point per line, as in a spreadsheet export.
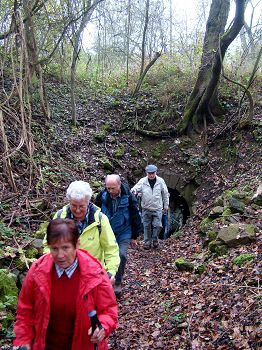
152	221
123	247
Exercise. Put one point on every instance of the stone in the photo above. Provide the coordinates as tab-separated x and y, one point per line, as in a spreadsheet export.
219	201
216	212
257	198
236	206
217	248
237	234
37	243
234	218
184	265
205	225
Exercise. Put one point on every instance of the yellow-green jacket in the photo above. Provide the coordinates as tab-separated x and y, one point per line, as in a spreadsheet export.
97	238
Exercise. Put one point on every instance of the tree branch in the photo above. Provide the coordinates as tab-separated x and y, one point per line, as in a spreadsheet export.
150	64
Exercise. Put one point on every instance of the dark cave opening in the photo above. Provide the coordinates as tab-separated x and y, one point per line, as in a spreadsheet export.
178	214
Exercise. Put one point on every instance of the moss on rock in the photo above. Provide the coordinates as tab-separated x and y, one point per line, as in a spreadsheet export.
20	263
205	225
31	253
8	286
199	269
242	258
211	235
120	151
217	248
226	212
107	165
237	234
101	136
184	265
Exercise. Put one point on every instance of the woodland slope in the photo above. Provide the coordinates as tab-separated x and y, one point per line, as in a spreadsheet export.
161	306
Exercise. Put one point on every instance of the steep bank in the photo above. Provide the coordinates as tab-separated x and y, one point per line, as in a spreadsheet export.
161	307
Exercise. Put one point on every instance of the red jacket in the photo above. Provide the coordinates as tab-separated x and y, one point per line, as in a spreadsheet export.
95	293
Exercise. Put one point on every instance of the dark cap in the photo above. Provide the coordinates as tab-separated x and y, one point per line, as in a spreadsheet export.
151	168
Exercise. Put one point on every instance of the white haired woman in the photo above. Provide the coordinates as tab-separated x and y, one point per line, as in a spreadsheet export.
95	233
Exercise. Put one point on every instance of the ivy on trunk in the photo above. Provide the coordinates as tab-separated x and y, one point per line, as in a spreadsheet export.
203	104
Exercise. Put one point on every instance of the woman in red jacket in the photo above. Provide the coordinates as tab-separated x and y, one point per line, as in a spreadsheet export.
60	290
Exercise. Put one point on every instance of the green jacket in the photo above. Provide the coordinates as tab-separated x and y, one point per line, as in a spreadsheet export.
102	245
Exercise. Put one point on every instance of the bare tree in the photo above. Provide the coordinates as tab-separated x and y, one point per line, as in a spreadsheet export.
77	27
35	67
170	29
128	26
143	69
143	47
250	35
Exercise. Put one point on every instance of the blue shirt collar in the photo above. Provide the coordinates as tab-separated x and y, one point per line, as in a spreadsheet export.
68	271
81	225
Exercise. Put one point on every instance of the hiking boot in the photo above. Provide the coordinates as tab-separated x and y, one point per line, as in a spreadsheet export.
146	246
155	244
117	289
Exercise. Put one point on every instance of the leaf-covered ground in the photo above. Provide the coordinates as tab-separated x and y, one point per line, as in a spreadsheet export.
161	307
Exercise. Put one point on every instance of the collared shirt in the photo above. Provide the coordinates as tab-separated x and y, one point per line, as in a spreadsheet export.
152	182
115	202
68	271
81	225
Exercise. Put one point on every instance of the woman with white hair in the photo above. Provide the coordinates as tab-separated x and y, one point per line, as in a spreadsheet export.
95	233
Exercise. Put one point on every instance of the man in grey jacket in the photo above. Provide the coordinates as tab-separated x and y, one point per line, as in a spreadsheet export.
154	198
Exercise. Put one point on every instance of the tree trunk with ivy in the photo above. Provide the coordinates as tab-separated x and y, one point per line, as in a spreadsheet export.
35	68
203	104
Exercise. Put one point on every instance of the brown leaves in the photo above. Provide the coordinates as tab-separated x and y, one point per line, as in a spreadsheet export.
163	308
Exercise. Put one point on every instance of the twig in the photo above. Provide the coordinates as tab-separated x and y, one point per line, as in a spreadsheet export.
189	328
11	219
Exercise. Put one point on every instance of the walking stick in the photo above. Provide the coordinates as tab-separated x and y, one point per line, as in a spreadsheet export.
166	226
94	323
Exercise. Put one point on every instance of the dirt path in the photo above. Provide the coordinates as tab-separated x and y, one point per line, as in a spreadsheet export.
163	308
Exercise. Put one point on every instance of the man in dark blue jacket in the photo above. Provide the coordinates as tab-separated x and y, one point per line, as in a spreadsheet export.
120	206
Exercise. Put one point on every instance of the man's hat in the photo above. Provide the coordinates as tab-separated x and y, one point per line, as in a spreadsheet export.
151	168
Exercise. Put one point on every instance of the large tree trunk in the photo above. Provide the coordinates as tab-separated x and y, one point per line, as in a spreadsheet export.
203	102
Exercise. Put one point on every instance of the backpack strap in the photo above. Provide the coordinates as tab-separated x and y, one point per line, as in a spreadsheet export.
99	224
59	213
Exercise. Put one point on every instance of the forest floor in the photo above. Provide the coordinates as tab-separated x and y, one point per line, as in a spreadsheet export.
160	307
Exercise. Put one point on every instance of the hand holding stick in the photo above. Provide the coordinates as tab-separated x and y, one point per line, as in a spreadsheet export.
98	332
